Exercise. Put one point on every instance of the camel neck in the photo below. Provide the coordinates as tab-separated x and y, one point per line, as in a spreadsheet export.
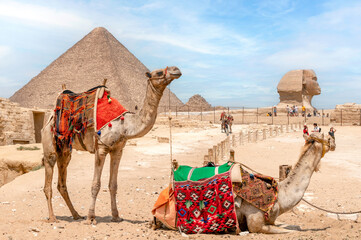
292	189
146	117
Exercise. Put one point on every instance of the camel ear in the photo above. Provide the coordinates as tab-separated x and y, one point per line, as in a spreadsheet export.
322	136
148	75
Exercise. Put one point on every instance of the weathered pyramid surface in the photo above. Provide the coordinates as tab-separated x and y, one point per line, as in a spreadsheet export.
196	103
97	56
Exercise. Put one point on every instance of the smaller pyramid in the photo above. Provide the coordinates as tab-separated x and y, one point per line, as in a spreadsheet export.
196	103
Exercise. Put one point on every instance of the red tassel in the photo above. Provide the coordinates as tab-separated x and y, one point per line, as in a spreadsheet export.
122	118
110	125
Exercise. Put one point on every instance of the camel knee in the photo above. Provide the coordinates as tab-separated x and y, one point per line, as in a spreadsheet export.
254	225
62	188
95	189
113	188
48	191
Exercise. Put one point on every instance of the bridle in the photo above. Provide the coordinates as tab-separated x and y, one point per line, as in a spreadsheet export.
324	144
155	78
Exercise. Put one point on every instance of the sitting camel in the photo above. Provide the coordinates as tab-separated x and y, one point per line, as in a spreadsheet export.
112	141
290	190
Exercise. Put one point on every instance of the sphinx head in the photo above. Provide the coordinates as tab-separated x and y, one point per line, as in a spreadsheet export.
297	87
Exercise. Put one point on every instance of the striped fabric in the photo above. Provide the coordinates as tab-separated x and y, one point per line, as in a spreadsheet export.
73	115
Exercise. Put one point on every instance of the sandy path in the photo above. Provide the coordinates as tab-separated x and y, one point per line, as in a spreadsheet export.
144	171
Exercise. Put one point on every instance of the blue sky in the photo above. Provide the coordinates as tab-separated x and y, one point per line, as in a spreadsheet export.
231	52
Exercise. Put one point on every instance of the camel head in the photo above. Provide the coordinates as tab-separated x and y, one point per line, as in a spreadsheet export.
160	78
321	143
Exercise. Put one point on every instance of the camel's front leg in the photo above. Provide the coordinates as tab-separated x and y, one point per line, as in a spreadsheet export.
100	155
115	157
256	224
49	162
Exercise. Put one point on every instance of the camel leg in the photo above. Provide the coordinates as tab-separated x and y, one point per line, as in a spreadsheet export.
63	163
49	163
115	157
256	224
100	155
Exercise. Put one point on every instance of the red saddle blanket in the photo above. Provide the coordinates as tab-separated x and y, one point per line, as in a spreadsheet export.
74	114
259	190
205	206
108	110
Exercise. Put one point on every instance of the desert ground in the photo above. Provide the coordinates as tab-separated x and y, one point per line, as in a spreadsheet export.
144	171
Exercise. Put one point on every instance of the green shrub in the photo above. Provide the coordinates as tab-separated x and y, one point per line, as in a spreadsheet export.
22	148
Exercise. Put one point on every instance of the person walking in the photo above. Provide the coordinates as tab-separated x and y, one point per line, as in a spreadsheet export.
332	132
275	111
316	128
305	130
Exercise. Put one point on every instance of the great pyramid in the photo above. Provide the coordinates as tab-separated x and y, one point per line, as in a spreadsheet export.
97	56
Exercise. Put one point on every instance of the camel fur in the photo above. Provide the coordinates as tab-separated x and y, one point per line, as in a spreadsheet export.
112	141
290	190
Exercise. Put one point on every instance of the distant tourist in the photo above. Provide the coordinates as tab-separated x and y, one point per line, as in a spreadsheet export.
230	122
275	111
305	130
332	132
223	120
314	112
316	128
296	110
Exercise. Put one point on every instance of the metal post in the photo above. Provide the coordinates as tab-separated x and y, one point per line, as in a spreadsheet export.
288	118
272	115
201	113
341	116
257	115
243	116
214	115
176	111
323	123
305	117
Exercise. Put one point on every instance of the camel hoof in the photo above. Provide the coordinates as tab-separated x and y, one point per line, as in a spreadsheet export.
91	221
52	220
117	219
77	217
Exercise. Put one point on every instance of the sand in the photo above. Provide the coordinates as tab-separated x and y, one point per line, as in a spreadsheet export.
144	172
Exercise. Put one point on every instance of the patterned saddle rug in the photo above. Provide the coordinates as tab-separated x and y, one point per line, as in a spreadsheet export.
204	205
74	114
259	190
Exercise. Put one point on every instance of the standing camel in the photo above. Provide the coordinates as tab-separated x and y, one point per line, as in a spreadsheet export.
112	141
290	190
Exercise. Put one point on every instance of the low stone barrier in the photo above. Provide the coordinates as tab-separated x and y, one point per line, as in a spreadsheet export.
221	151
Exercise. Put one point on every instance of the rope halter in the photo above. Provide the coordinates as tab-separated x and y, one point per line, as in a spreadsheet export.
157	78
324	144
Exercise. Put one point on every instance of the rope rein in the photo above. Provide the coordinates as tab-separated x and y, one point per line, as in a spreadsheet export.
329	211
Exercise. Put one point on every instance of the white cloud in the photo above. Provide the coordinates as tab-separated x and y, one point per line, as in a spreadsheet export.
35	14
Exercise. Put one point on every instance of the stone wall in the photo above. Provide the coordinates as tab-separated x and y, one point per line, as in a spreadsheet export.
17	124
347	114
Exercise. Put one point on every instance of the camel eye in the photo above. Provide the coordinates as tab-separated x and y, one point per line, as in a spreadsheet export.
159	73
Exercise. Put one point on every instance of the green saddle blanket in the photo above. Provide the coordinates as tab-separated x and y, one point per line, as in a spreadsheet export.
184	173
